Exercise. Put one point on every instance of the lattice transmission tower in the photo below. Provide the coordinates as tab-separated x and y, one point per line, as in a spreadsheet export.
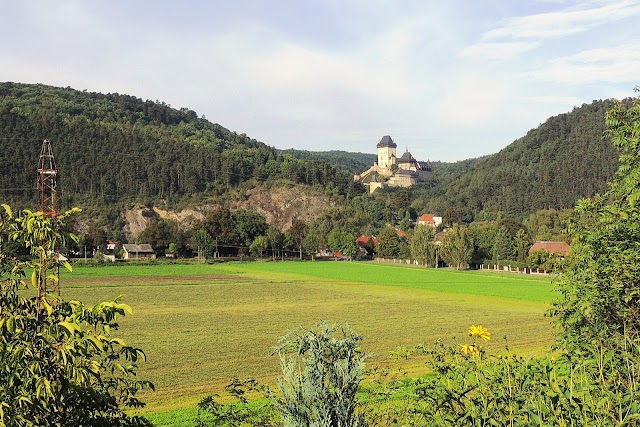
47	180
48	194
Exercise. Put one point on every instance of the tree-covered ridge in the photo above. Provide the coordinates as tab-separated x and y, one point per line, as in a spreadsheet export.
554	165
353	162
113	147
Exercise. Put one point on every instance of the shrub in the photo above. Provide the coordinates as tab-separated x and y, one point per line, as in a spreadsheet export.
321	370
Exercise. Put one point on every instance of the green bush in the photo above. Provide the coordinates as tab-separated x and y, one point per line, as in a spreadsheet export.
321	370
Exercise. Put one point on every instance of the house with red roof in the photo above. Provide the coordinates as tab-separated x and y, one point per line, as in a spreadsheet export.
560	248
366	244
430	220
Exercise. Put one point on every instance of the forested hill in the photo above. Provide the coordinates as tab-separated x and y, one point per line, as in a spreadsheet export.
352	162
552	166
111	147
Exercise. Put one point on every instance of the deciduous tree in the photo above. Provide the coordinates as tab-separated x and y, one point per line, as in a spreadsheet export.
600	287
60	363
423	247
457	247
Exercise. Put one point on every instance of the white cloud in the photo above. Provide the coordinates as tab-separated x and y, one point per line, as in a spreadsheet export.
564	22
498	50
620	64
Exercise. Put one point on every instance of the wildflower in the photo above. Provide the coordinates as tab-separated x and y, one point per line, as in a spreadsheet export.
469	349
479	332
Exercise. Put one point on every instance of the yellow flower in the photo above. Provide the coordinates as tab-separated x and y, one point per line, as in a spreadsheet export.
469	349
479	332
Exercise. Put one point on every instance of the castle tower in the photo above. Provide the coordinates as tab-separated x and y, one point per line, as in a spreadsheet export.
386	152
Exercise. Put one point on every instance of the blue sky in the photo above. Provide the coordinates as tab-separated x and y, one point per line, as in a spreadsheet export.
448	80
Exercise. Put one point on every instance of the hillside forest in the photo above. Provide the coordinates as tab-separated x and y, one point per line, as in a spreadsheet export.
196	185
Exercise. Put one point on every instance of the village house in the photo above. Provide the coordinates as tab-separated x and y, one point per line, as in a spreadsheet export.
366	245
560	248
135	251
429	219
390	171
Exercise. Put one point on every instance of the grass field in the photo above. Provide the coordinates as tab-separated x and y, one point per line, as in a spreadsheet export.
202	325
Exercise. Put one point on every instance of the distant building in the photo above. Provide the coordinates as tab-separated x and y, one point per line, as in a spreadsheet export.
366	245
561	248
390	171
133	251
430	219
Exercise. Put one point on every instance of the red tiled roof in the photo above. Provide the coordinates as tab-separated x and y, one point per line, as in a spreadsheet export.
426	218
561	248
364	240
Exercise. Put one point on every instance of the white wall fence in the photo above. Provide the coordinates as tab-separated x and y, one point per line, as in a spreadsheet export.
490	267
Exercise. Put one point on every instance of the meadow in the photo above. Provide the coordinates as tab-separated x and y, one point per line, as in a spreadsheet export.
201	325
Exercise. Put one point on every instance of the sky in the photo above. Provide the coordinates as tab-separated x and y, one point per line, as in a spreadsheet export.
447	79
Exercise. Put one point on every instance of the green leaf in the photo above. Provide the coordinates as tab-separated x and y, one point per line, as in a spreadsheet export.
71	327
124	307
34	278
8	210
118	341
96	341
67	266
47	306
11	324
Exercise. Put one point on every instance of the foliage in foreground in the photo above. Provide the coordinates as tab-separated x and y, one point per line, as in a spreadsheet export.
60	364
321	373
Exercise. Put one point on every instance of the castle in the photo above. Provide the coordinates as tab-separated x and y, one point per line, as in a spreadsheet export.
390	171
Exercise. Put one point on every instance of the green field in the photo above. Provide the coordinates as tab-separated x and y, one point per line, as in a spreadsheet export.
202	325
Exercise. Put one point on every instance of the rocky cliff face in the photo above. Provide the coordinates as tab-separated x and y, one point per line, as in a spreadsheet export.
279	205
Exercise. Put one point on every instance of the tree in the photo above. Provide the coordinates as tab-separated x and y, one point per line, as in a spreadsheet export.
250	224
321	369
423	247
457	247
203	242
600	286
61	365
311	242
484	235
451	217
389	242
522	244
334	240
274	237
258	246
549	224
160	234
503	245
220	225
349	247
297	232
173	249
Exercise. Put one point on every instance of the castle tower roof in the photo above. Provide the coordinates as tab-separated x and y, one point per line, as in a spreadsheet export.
406	158
386	141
